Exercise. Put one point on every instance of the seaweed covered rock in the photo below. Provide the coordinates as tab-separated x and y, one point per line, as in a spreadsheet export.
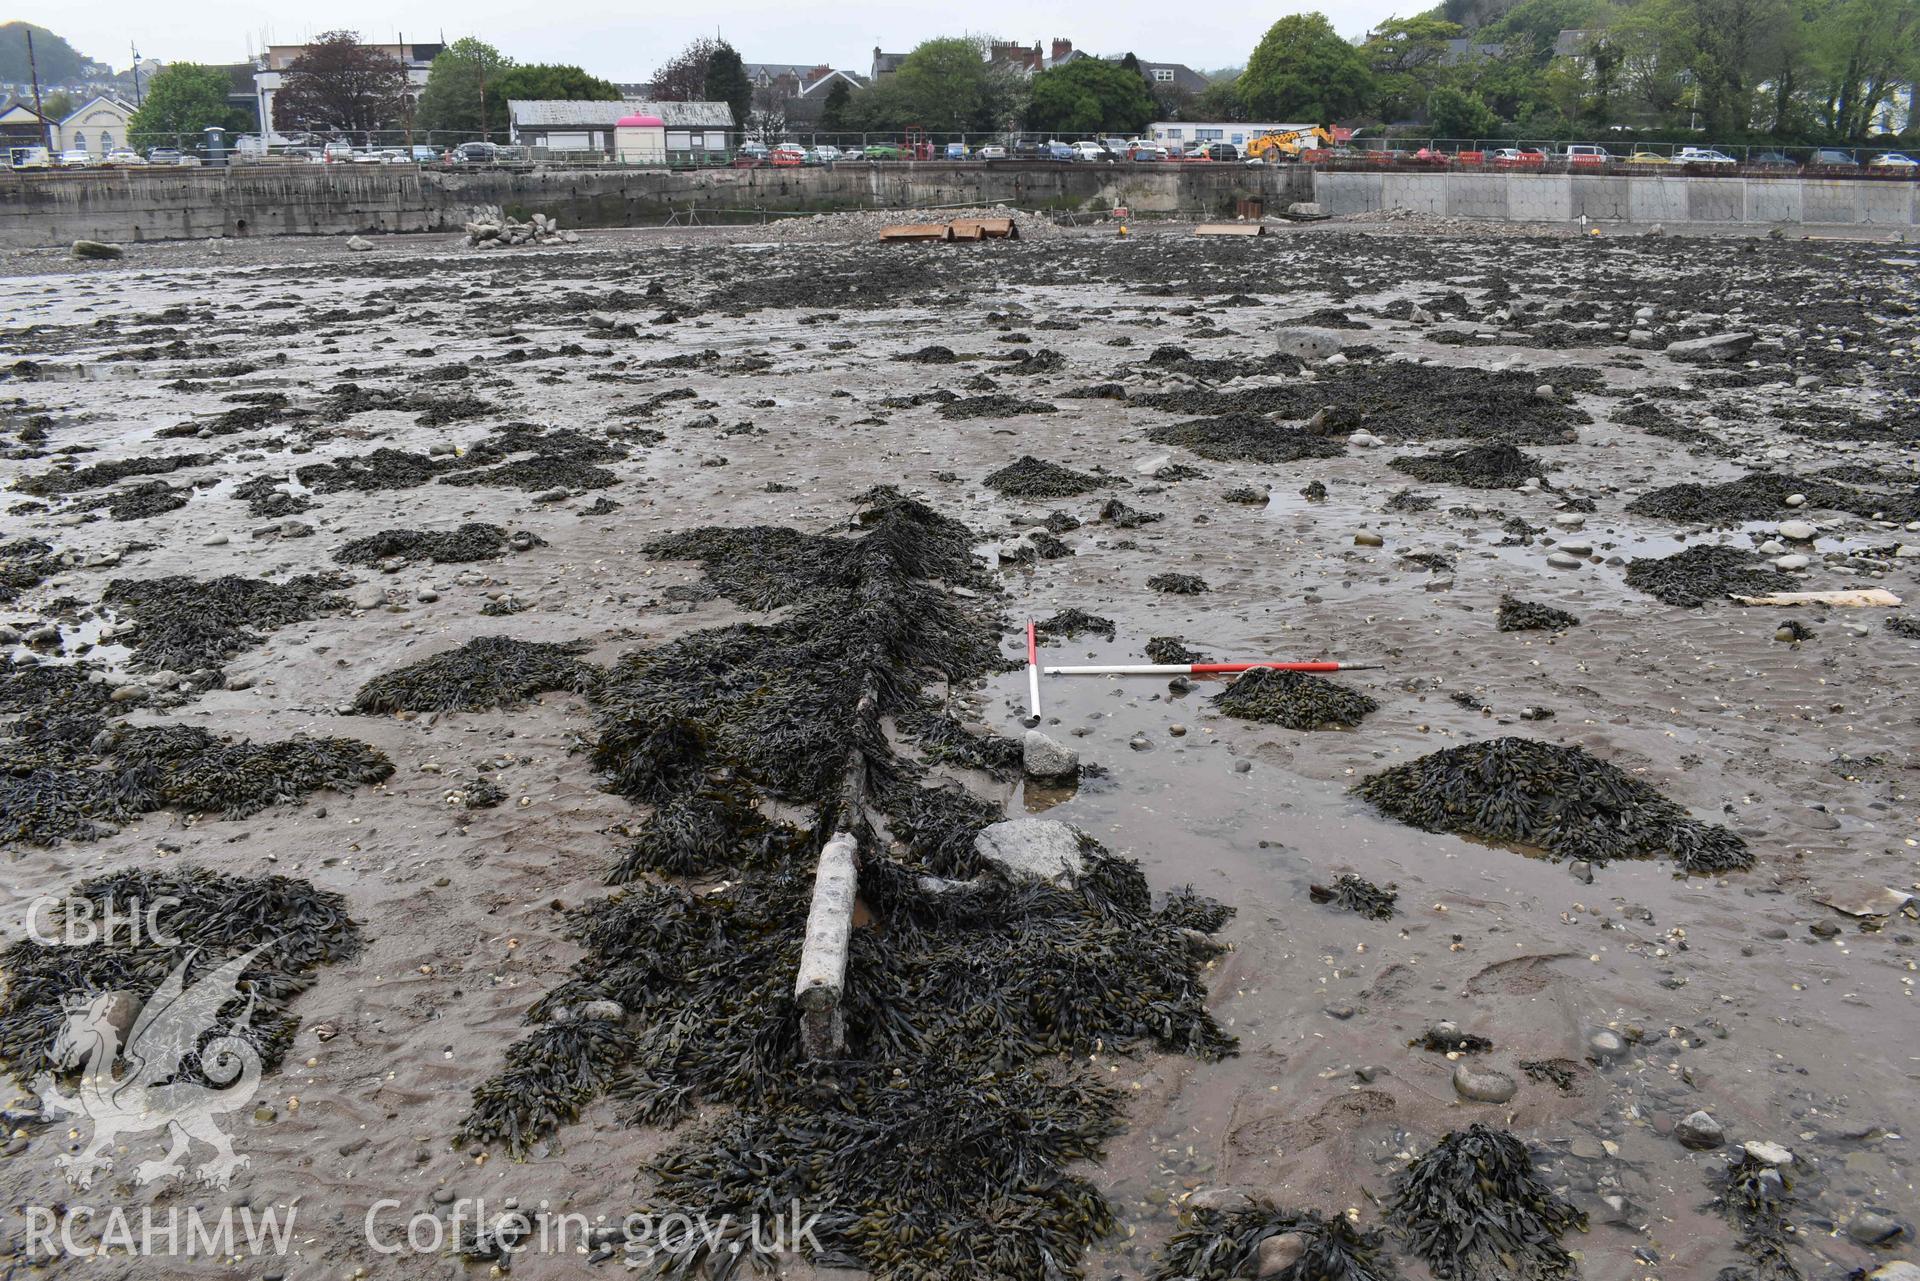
1755	1196
1246	438
1030	477
1473	1207
203	919
24	562
1494	466
1170	650
74	479
473	541
1296	700
1558	799
1069	623
1763	496
1516	615
1357	894
76	777
1260	1240
490	671
1120	516
1702	573
189	623
1178	584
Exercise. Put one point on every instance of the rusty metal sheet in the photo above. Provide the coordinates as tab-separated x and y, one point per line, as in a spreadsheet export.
985	229
917	231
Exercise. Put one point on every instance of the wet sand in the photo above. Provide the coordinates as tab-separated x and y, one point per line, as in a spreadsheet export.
1728	999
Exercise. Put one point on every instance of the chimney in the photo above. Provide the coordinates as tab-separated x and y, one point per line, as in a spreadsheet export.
1061	48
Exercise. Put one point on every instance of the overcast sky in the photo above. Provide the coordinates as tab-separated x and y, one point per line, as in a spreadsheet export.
626	41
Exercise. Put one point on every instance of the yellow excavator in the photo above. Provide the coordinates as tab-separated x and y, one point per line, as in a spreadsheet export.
1288	145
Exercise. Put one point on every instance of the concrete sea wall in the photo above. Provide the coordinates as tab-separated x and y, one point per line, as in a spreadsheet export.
45	209
1623	198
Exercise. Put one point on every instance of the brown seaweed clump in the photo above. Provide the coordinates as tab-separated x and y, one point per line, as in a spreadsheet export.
1170	650
1558	799
1249	438
75	777
1763	495
1069	623
1227	1244
1030	477
1516	615
1357	894
24	562
1473	1207
1178	584
1755	1197
190	623
473	541
202	917
1702	573
490	671
1296	700
1493	466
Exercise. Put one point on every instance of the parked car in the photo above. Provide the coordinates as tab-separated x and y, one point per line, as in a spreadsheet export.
1224	152
881	151
164	155
826	154
1060	151
1773	160
1146	152
1832	157
467	153
1089	151
992	151
1704	156
956	151
424	155
74	159
1583	153
124	158
788	155
1893	160
1647	158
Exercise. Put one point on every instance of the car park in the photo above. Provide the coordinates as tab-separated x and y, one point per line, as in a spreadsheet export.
1892	160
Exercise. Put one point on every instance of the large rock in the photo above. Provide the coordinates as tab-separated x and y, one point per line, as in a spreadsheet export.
96	249
1711	348
1032	848
1043	758
1310	344
1278	1253
359	244
1699	1131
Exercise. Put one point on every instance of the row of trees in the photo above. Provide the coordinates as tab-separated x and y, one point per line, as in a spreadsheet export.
1805	70
1785	70
341	84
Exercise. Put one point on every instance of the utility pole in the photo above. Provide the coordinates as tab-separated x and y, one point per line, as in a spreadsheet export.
480	61
33	68
137	99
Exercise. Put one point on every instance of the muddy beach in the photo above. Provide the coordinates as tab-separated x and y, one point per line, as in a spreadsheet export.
416	542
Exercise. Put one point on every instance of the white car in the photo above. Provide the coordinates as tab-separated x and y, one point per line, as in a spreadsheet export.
1892	160
1703	156
75	159
123	158
827	154
991	152
1091	151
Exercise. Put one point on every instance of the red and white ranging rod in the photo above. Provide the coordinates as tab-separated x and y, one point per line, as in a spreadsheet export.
1033	673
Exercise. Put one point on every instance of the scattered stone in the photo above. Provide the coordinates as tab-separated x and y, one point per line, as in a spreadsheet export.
97	250
1043	758
1478	1086
1032	848
1699	1131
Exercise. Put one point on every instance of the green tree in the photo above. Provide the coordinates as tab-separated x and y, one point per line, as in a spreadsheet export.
1454	113
727	81
1089	95
683	77
340	83
833	112
183	98
553	82
57	105
1302	70
451	102
1534	25
56	59
1861	52
1407	57
946	85
1220	100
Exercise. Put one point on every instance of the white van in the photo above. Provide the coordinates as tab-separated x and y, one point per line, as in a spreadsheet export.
1584	153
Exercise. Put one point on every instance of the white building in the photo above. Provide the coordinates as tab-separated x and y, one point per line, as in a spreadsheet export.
568	125
97	128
